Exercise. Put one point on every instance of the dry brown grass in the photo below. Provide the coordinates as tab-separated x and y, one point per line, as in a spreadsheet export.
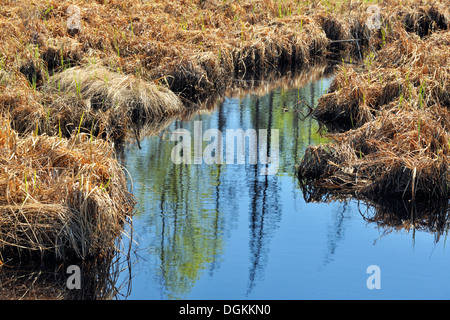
91	99
192	48
408	69
65	197
404	153
395	118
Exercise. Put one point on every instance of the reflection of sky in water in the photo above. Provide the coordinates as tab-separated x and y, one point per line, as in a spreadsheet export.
227	232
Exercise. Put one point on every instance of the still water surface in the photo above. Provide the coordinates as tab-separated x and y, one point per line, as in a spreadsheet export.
223	231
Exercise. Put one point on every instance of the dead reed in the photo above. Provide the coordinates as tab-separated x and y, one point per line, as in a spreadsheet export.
407	69
91	99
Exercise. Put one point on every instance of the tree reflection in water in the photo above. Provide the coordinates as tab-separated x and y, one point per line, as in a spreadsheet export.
189	213
190	210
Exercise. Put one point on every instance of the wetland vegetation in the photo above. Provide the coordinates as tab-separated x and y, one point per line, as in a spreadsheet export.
79	80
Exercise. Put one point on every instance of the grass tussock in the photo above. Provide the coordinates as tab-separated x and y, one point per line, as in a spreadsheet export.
403	153
93	100
408	69
61	197
394	121
108	102
102	89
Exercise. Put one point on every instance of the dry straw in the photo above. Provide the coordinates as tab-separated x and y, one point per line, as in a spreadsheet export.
108	102
194	49
61	197
396	121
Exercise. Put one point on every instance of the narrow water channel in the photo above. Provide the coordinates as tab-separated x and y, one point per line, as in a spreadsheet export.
225	231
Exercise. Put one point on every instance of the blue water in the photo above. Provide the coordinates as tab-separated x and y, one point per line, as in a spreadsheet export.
223	231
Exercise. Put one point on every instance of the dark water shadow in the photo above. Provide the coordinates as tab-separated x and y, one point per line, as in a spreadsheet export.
398	214
52	280
103	277
392	213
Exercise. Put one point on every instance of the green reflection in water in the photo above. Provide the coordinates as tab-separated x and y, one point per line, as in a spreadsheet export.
187	212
